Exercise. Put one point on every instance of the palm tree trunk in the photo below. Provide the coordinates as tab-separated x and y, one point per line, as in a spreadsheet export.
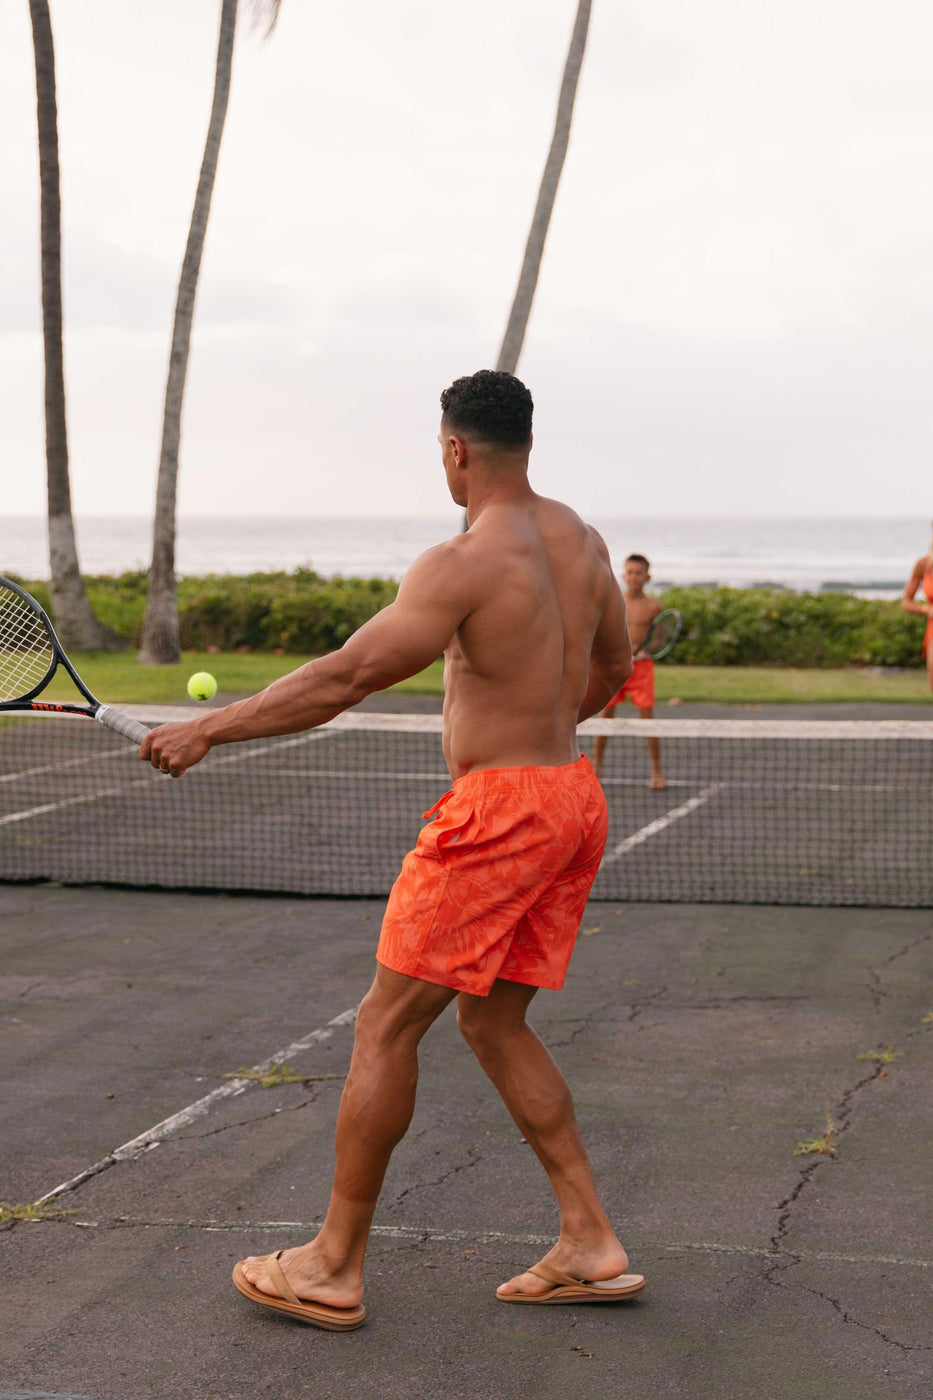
77	626
531	266
159	643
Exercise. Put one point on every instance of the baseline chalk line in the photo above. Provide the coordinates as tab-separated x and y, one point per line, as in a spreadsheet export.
152	1137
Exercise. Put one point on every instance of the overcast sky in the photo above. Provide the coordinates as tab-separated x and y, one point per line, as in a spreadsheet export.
735	312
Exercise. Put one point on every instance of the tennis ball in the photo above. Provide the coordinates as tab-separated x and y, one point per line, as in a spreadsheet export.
202	686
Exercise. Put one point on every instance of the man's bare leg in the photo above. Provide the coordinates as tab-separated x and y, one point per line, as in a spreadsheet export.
536	1094
657	781
375	1111
601	740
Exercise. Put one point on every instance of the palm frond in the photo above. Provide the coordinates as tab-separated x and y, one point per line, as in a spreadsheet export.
265	13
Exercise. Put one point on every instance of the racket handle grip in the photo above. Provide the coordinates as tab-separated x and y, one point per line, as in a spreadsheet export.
121	724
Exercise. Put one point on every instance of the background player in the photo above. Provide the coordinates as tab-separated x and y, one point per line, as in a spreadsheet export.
639	688
922	576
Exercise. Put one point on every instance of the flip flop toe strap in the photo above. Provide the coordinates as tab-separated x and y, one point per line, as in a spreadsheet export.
282	1285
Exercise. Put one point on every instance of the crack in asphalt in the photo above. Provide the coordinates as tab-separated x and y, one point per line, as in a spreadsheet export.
639	1005
866	1326
876	989
907	948
875	985
244	1122
582	1023
783	1260
421	1185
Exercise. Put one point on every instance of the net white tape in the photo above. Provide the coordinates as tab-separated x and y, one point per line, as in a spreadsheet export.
25	646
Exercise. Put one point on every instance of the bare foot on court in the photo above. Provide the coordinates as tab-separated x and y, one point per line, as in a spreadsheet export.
311	1277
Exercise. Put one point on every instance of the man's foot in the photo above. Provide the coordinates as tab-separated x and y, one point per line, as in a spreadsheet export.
658	782
310	1276
597	1266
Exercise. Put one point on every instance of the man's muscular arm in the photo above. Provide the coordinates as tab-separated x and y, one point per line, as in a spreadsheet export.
432	601
611	658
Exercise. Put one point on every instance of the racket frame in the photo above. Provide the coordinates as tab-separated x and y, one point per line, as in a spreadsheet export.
659	655
95	709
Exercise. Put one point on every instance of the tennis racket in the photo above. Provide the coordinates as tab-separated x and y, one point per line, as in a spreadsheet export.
661	635
30	654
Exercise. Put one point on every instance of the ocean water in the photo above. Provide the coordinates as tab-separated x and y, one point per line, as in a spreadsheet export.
870	557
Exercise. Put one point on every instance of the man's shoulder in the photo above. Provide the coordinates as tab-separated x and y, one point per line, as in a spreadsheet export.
560	514
441	566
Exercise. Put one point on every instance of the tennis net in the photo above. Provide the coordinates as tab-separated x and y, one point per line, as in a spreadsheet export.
755	812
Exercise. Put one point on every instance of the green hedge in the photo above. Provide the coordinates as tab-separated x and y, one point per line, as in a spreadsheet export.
302	612
765	626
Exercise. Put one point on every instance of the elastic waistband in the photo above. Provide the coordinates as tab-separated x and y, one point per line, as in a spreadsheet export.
539	775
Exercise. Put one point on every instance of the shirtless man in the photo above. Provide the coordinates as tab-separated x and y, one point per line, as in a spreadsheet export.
531	622
639	688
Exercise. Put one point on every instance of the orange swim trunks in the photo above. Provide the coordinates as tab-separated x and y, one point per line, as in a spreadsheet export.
639	688
497	883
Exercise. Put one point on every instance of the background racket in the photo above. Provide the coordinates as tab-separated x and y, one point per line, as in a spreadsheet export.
662	634
30	654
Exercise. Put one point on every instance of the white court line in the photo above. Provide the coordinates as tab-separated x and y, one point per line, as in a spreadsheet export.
654	827
255	752
57	767
71	802
428	1235
152	1137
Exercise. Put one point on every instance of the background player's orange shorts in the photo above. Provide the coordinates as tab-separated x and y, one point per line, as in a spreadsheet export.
639	688
497	883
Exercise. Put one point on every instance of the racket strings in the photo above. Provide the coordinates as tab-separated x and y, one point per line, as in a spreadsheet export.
26	652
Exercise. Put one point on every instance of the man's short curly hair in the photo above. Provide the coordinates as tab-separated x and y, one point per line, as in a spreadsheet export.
490	406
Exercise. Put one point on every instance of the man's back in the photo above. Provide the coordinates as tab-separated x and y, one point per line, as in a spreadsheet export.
537	581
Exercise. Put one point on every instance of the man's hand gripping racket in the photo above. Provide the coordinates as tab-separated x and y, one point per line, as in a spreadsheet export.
174	748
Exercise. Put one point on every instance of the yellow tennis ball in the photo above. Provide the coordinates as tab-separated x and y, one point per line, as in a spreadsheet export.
202	686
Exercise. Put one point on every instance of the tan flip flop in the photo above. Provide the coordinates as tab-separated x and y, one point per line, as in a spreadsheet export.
318	1314
577	1290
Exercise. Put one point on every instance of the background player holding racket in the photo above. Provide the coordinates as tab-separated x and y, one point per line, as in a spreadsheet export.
649	642
486	909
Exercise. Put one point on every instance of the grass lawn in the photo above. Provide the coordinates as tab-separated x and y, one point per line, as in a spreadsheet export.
118	679
764	685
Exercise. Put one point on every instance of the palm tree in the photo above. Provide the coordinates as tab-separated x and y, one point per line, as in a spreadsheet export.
159	643
534	248
77	626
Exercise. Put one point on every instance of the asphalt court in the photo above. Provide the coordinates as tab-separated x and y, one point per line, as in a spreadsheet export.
703	1043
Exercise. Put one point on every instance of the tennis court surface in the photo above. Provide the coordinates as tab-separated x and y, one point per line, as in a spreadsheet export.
704	1039
703	1042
